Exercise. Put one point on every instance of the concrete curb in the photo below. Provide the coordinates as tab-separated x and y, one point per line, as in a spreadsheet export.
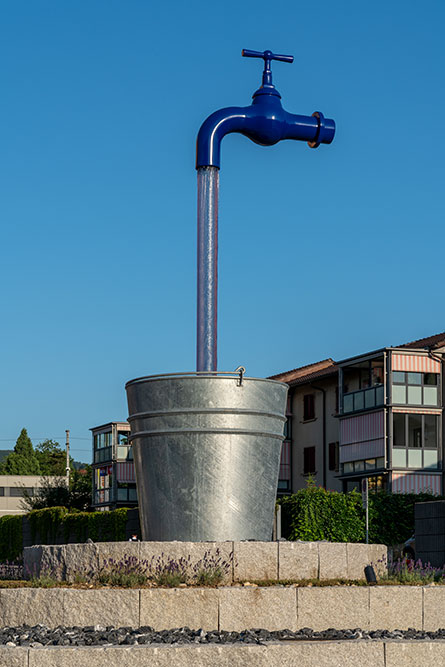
232	608
305	654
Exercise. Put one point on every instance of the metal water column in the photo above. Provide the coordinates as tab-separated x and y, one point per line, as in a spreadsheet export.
207	274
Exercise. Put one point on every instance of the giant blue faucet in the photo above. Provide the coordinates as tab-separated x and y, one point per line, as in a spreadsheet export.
266	123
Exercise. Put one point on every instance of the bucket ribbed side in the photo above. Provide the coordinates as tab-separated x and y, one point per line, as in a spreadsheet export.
207	454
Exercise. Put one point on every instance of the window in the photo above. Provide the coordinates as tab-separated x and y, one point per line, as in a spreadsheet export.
309	460
17	491
126	491
415	388
333	456
308	407
415	441
377	483
370	373
288	429
361	466
414	431
103	496
102	440
399	431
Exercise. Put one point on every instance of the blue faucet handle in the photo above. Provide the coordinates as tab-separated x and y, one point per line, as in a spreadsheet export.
266	55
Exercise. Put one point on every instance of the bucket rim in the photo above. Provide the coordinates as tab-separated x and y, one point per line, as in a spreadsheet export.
198	375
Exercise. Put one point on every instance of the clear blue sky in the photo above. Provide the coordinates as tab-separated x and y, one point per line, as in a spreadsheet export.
328	252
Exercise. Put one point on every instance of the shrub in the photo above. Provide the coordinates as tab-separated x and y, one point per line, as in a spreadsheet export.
11	538
316	514
391	516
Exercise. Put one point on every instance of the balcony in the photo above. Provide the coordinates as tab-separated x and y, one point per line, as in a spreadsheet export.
364	399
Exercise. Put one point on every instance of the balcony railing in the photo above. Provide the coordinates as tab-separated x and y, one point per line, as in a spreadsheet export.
364	399
104	454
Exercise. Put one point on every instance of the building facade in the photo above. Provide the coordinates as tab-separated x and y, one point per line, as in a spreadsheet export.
11	492
377	416
114	482
311	446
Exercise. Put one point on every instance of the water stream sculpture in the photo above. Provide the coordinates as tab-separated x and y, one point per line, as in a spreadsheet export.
207	444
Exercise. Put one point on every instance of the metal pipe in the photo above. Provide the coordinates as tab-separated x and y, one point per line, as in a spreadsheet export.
206	346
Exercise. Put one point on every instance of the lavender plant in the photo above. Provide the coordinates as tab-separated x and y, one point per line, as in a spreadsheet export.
407	571
162	570
127	572
212	569
168	571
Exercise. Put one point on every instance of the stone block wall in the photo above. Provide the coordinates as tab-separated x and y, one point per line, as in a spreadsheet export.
303	654
254	561
233	608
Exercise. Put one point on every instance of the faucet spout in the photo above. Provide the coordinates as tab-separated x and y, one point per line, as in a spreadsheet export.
315	129
212	131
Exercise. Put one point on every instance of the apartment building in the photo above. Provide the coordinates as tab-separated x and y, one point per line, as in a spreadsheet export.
377	415
114	482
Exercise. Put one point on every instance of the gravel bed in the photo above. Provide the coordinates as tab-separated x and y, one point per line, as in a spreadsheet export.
38	636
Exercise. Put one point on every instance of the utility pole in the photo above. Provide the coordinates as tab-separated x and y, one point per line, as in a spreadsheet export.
67	445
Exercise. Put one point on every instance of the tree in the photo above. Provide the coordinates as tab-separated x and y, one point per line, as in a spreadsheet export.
52	459
81	487
23	460
53	492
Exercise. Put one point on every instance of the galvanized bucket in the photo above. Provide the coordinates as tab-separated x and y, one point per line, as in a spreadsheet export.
207	450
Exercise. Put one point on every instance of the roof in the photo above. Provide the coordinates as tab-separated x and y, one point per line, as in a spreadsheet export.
109	425
327	367
304	374
438	340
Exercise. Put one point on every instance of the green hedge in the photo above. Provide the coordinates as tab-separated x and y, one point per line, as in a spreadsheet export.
391	516
45	524
315	514
58	525
11	538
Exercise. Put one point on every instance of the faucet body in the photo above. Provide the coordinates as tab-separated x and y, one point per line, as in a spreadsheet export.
265	122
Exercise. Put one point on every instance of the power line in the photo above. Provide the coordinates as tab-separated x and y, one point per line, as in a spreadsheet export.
59	437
